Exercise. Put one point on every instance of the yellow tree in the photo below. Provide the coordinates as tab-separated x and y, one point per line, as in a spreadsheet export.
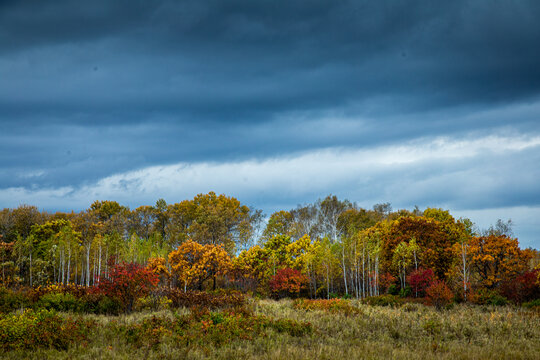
193	263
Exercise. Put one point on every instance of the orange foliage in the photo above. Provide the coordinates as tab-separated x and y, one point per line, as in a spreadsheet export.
497	258
434	238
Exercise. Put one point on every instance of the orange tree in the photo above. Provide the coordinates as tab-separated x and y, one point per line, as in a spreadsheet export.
127	282
288	282
158	266
193	263
495	259
433	237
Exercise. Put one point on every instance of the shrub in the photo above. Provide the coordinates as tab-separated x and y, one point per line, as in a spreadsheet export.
287	282
42	328
387	283
404	292
393	289
12	300
523	288
420	280
213	300
203	327
439	294
127	282
151	302
488	297
58	302
383	300
535	304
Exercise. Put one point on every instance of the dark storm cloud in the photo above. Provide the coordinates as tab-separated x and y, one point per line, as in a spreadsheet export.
96	88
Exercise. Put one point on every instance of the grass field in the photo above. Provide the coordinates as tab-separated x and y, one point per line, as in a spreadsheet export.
412	331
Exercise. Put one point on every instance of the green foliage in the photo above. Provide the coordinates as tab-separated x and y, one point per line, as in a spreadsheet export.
532	304
383	300
404	292
393	289
489	297
12	300
58	302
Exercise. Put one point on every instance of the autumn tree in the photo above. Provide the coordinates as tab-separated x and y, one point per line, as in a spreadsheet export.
193	263
288	282
435	240
496	258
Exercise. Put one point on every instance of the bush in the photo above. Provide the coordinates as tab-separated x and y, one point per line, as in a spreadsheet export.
42	328
152	302
213	300
99	304
202	328
387	283
535	304
58	302
127	282
405	292
523	288
12	300
439	294
393	289
488	297
383	300
287	282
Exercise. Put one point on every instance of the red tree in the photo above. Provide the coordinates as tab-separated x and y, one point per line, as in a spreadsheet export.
420	280
128	282
287	281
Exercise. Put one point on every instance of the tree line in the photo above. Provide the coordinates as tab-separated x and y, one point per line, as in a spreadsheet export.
328	247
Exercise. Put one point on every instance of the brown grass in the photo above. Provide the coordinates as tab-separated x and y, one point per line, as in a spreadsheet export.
413	331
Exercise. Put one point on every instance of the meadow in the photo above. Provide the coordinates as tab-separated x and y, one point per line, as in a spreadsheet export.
287	329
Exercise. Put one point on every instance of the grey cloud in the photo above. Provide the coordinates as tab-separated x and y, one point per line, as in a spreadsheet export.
91	89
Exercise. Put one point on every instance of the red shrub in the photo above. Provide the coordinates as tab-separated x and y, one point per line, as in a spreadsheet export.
523	288
128	282
420	280
287	282
439	294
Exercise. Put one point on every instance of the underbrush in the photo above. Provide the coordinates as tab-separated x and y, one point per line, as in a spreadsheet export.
212	300
285	329
201	328
32	329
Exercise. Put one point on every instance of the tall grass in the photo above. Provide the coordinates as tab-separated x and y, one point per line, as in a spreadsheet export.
412	331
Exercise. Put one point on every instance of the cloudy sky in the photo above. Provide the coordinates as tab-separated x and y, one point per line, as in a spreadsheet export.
277	103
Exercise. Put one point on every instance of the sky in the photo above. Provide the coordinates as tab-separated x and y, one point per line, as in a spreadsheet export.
277	103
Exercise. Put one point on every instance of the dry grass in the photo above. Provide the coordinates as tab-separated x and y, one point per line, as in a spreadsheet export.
412	331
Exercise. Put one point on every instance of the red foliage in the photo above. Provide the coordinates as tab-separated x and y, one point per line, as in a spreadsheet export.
128	282
287	282
385	281
420	280
523	288
439	294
